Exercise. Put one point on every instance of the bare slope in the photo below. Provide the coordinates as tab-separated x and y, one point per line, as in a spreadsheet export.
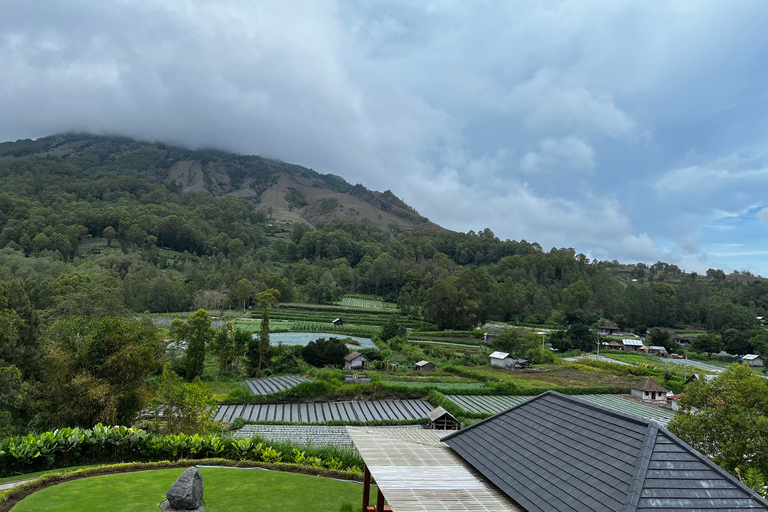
293	193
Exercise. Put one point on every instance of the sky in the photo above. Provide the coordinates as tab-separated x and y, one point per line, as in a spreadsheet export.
627	130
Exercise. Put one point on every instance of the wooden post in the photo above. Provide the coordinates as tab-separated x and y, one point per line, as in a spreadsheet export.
366	487
380	502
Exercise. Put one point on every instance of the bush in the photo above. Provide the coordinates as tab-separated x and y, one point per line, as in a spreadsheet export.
74	446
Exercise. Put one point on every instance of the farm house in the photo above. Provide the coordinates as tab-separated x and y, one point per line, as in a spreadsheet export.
338	322
630	345
608	329
354	361
424	366
501	359
649	389
440	419
753	360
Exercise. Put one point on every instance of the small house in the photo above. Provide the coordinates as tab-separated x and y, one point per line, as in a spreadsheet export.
354	361
501	359
630	345
753	360
612	345
338	322
488	336
657	350
424	366
649	389
440	419
608	329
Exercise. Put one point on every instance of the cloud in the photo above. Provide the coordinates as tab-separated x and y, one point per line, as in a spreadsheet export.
548	102
559	155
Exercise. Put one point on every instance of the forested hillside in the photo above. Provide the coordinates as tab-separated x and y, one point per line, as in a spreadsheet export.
120	241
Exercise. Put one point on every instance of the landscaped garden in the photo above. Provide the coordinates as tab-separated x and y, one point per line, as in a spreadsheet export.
225	489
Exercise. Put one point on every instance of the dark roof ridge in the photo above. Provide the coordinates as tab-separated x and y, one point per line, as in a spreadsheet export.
641	468
556	394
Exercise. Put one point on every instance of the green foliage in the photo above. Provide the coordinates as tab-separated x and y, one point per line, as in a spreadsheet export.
325	352
95	371
75	446
709	343
199	333
726	418
182	407
392	329
516	341
295	198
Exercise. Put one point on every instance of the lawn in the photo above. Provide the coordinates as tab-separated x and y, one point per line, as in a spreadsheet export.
225	489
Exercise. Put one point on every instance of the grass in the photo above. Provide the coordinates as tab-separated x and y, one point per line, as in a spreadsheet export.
556	375
225	489
27	476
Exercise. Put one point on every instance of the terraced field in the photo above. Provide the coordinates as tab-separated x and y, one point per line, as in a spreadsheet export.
274	384
437	385
361	303
497	404
333	411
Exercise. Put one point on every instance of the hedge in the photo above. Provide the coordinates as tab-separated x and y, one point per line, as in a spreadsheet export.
76	447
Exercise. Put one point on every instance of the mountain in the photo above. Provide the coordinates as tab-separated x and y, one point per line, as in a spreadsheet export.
291	193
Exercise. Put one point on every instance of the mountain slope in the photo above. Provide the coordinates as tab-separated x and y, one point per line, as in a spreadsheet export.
290	192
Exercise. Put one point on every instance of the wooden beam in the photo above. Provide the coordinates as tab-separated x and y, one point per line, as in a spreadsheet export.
366	487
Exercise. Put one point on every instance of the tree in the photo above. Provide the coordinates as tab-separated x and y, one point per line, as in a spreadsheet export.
199	334
325	352
515	341
582	338
560	341
392	329
708	342
183	407
266	299
109	233
243	291
735	342
726	418
661	338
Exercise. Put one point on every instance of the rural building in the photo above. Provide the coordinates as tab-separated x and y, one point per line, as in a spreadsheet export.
488	336
649	390
630	345
338	322
501	359
613	345
657	350
440	419
608	329
553	453
354	361
753	360
424	366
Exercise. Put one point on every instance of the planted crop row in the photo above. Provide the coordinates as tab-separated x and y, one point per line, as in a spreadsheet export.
74	446
361	303
346	329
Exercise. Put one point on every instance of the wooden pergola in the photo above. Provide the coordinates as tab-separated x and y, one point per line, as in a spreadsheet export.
416	472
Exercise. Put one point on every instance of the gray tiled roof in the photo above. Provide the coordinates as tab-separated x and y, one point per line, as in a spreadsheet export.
559	453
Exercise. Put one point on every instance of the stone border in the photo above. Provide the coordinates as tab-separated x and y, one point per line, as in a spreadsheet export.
12	496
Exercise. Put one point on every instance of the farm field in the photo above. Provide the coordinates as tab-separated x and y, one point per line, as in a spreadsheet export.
437	385
332	411
274	384
279	326
557	375
497	404
225	489
361	303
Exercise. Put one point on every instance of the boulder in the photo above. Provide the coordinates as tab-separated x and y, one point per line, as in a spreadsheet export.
187	492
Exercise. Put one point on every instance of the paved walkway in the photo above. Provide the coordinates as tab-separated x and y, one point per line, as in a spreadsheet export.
10	485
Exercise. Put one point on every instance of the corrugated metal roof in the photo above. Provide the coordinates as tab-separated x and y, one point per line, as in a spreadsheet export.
274	384
658	347
418	473
372	410
750	357
496	404
499	355
574	456
631	342
422	363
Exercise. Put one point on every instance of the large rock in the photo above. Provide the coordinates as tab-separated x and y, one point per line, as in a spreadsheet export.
187	492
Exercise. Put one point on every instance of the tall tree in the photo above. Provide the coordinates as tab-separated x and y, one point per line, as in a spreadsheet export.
199	334
266	299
